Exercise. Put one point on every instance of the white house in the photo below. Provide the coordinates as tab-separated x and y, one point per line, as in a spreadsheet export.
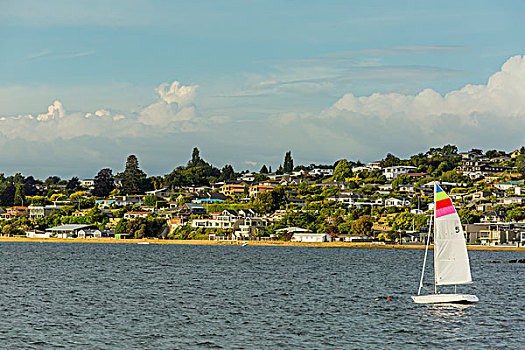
88	183
136	214
394	171
309	237
162	192
321	172
396	202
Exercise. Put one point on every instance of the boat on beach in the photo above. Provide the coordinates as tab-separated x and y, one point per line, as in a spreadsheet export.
451	262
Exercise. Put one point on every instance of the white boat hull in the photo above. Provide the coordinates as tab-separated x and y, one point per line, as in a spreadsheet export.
445	298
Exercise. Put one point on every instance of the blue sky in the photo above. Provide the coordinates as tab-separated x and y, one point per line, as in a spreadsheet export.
255	79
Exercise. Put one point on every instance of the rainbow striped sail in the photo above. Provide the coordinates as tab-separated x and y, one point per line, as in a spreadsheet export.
443	203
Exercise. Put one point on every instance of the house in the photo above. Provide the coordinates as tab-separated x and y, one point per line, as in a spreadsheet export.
233	189
396	202
105	203
14	212
38	234
249	177
193	209
88	183
321	172
494	216
495	233
67	231
39	211
394	171
309	237
484	167
163	193
136	214
224	220
417	175
406	188
255	190
352	238
248	227
87	233
129	200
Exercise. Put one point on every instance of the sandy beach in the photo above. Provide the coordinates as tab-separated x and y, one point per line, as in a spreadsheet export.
251	243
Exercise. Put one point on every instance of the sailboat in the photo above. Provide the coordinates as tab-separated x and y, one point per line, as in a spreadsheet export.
451	263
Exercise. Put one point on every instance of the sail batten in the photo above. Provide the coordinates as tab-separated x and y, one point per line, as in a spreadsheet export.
451	262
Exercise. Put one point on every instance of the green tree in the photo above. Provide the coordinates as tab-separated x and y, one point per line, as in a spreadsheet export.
390	160
288	162
342	170
20	198
520	164
227	173
151	201
7	197
362	226
195	158
264	170
104	183
133	179
73	184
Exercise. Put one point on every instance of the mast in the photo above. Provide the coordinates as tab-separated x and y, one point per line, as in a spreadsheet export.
435	255
425	259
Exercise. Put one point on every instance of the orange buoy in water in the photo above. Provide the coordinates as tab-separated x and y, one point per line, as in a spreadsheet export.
389	298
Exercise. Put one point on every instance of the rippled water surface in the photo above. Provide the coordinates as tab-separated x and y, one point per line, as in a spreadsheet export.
113	296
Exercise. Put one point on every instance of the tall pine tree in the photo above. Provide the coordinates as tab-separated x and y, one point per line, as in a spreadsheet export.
288	162
133	179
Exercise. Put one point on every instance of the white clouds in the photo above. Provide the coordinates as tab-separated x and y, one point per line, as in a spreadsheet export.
182	95
504	96
53	111
173	112
356	127
491	115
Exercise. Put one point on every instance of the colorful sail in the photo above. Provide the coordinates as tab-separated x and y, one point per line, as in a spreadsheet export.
451	262
444	204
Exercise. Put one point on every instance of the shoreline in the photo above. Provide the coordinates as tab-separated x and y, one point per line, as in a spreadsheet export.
347	245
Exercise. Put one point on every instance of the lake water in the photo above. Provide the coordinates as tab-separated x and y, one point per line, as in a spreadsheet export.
115	296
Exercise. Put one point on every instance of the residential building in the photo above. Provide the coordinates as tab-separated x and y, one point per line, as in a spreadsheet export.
397	202
233	189
14	212
67	231
136	214
255	190
321	172
129	200
88	183
394	171
495	233
309	237
39	211
162	192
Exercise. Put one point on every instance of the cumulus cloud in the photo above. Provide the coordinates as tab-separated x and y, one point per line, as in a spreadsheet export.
174	111
491	115
53	111
180	94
